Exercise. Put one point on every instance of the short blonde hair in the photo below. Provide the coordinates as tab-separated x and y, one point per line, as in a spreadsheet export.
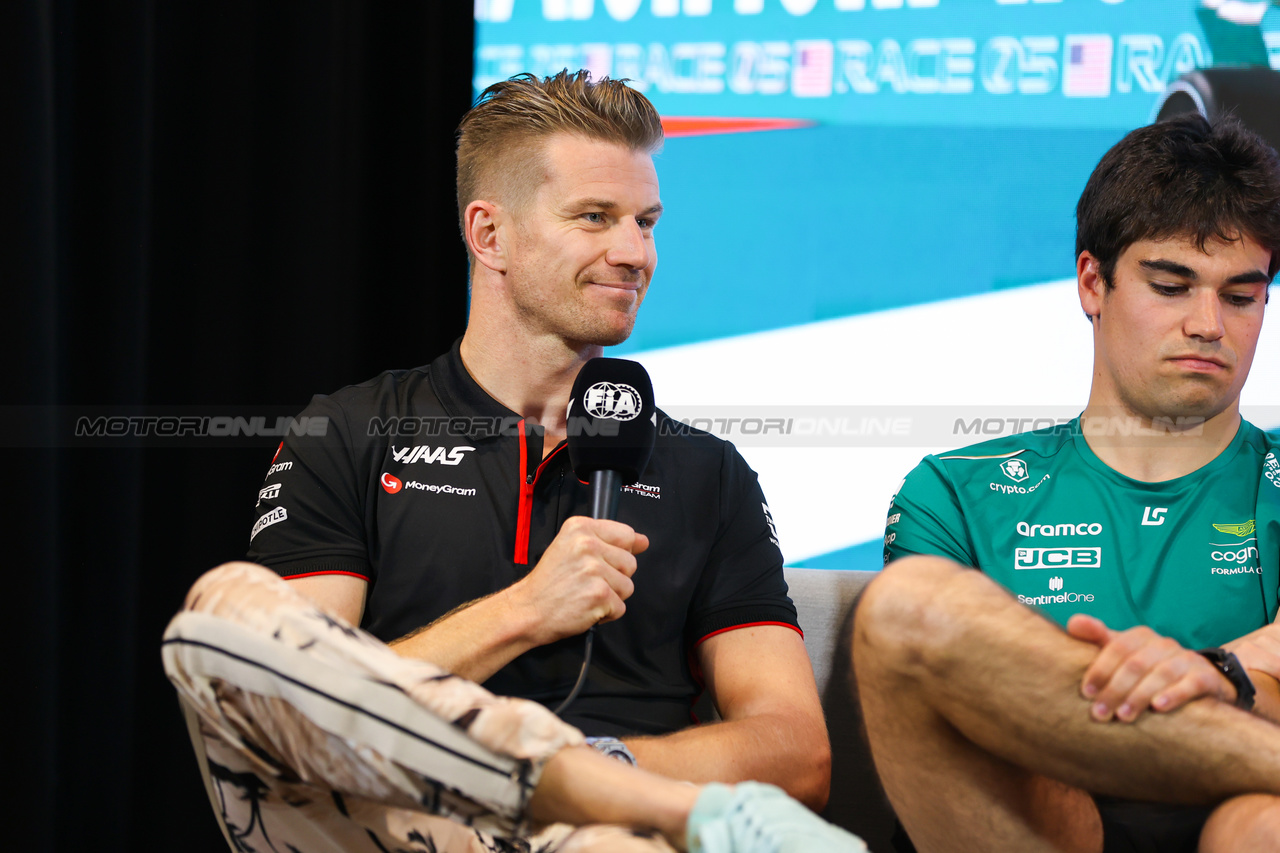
501	138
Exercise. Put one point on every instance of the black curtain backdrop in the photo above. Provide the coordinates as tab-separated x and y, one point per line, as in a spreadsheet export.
224	205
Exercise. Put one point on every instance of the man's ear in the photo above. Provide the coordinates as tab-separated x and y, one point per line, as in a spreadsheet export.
483	229
1091	285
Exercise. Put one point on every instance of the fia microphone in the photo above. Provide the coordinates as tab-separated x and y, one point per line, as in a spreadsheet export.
612	425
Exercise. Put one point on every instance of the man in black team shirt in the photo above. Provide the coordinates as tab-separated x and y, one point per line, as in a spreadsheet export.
440	512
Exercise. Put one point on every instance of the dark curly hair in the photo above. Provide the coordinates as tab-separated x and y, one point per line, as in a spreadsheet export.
1184	177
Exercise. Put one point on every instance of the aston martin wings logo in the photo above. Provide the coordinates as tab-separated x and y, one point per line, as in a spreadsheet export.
1237	529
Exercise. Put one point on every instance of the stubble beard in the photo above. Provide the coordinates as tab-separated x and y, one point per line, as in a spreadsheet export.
577	323
1177	399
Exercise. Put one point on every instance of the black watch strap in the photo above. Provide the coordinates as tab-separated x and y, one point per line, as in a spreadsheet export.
1229	665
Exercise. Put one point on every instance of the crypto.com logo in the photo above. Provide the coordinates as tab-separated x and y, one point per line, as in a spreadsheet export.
1015	469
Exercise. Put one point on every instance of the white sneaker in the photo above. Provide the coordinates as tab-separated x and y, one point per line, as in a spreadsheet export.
754	818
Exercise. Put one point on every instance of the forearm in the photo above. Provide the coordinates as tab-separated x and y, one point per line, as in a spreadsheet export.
580	786
790	751
1259	654
1266	702
474	641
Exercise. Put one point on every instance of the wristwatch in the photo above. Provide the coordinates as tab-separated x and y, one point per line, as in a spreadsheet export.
1229	665
613	748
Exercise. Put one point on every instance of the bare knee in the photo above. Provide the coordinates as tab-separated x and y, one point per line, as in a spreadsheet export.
908	616
1248	824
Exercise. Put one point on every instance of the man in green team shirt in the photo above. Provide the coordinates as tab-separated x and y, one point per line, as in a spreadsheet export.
1147	528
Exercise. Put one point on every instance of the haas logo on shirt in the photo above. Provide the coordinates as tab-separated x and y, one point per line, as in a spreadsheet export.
427	453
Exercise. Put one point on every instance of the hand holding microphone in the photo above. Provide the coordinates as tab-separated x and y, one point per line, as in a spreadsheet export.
583	578
585	574
612	424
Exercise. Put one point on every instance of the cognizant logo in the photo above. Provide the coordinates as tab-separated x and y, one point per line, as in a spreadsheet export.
1242	555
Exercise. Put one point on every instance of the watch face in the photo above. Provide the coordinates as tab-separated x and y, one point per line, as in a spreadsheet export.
613	748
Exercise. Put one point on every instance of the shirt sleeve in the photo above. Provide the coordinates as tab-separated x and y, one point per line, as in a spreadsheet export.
925	517
309	518
742	583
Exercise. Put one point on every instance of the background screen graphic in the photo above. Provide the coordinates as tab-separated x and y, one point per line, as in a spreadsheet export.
867	250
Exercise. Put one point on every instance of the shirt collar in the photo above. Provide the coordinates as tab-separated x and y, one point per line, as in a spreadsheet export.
462	397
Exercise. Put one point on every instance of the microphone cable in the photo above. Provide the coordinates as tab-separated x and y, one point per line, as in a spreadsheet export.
582	673
612	424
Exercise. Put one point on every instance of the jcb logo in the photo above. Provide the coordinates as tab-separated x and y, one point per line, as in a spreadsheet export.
1057	558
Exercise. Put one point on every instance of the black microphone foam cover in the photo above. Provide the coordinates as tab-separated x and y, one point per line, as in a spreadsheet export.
612	419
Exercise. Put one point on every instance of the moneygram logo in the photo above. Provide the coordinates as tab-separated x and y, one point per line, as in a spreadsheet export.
645	490
437	489
1082	529
391	484
1057	558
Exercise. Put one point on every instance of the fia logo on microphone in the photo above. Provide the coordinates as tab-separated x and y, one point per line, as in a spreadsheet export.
612	400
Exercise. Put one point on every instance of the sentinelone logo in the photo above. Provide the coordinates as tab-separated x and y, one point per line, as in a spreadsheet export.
1060	598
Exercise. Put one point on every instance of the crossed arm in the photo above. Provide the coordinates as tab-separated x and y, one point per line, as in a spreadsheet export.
1139	670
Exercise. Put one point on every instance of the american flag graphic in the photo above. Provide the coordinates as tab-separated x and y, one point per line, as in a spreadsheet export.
598	59
811	69
1086	67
